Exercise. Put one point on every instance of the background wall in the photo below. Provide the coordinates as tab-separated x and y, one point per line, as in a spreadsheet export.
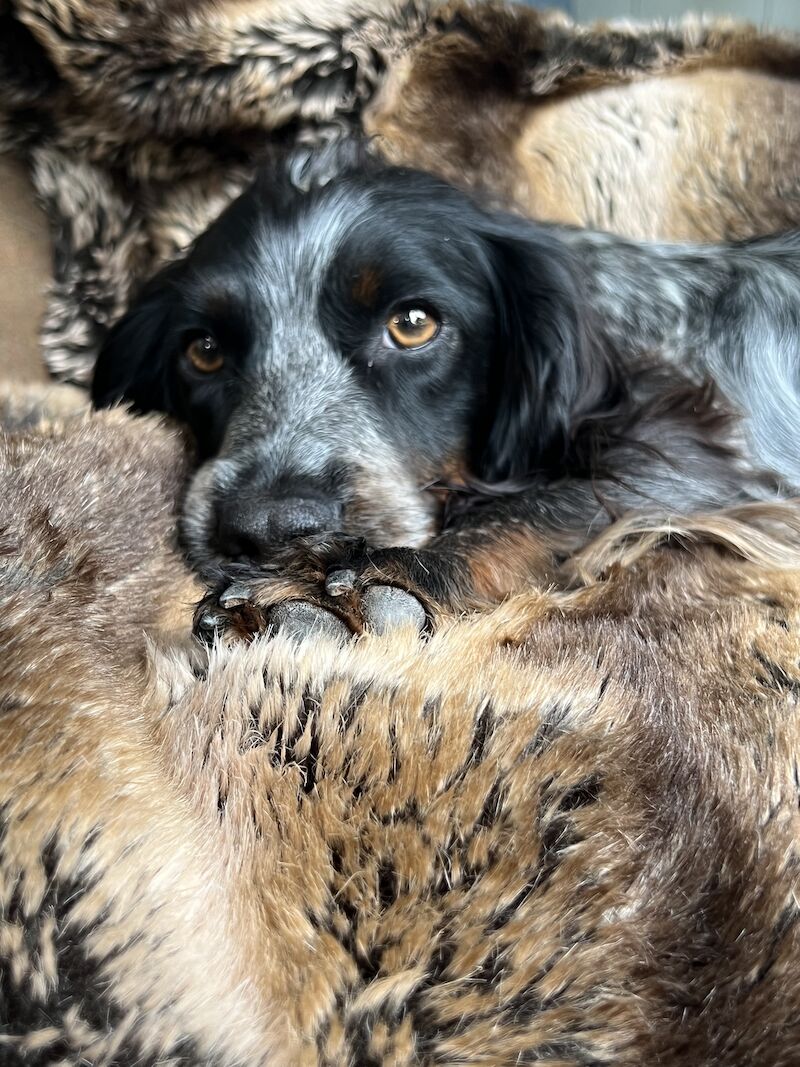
778	13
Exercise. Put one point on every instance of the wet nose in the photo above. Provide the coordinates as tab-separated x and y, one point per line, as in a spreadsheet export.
251	525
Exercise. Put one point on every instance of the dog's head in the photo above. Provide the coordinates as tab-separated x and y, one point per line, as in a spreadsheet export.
345	335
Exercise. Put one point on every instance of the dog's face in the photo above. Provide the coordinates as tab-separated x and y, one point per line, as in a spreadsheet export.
338	350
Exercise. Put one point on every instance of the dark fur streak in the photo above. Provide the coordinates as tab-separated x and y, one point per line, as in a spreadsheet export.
775	676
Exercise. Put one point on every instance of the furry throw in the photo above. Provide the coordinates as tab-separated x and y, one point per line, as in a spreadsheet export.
562	832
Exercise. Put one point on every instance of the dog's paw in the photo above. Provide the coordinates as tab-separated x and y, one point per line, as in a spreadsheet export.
324	587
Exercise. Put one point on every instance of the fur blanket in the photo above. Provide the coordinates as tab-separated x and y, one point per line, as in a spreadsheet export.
558	833
140	119
565	831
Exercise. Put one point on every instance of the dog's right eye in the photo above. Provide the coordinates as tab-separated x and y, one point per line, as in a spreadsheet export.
204	354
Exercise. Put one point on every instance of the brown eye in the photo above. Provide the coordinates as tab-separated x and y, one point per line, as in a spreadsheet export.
412	327
204	354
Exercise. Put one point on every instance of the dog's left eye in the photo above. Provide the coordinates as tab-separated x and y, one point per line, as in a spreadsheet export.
411	327
204	354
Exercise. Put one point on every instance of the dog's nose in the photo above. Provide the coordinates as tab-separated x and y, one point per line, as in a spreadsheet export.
250	525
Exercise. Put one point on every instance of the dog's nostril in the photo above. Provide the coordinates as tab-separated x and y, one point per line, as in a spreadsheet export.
251	526
236	546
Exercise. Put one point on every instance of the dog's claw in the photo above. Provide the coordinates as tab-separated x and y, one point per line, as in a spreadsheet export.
207	624
235	595
340	582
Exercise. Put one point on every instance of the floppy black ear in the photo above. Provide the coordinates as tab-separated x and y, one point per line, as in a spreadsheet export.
133	364
542	364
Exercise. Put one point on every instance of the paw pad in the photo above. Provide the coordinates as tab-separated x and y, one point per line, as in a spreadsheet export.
384	608
298	619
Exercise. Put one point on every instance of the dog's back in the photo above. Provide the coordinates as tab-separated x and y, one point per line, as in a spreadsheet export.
728	314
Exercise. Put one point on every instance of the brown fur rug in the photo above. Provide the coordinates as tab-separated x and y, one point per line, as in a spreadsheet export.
563	832
139	119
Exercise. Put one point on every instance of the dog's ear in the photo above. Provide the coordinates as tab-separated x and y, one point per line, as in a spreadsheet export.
133	363
542	363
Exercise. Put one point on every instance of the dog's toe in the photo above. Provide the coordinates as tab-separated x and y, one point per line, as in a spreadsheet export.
228	617
298	619
381	607
384	607
231	616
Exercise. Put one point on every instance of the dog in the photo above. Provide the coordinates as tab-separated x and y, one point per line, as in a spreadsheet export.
389	383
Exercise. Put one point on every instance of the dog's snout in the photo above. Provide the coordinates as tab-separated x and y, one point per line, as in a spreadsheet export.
251	525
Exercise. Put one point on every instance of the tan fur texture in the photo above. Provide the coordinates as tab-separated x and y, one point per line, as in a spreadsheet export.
684	135
563	831
140	120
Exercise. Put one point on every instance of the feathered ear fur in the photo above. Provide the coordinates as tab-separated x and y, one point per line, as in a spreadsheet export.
133	363
545	371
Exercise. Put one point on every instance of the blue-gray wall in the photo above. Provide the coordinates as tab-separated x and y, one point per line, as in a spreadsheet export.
779	13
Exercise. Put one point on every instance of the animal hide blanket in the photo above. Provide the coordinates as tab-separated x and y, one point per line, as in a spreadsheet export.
564	832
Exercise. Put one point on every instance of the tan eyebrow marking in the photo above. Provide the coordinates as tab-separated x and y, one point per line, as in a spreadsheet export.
366	285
